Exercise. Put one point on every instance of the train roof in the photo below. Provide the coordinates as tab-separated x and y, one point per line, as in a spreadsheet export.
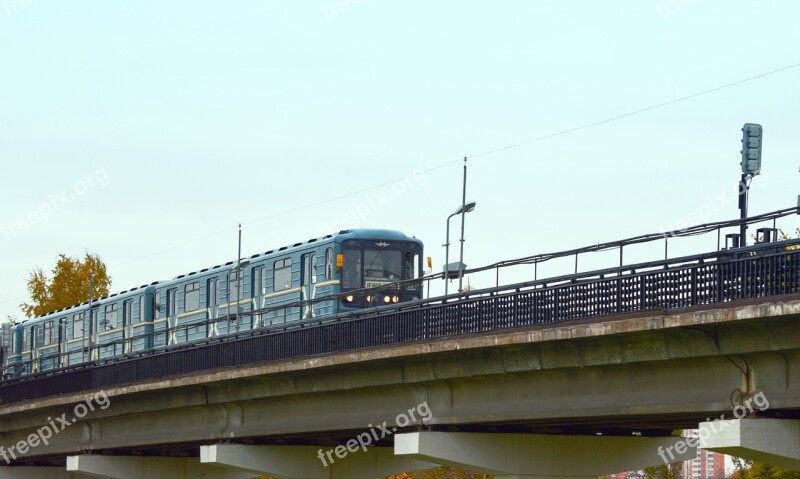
359	233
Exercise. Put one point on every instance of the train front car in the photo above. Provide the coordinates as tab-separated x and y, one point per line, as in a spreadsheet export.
378	268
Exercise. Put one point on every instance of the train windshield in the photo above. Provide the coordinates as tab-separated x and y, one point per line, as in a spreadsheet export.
382	267
370	268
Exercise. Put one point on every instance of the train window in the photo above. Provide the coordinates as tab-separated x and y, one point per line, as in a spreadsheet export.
111	317
48	333
191	297
282	279
140	316
352	269
157	306
26	338
234	291
328	264
77	326
94	319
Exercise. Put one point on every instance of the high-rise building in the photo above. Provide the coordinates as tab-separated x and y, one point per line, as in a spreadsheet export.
707	464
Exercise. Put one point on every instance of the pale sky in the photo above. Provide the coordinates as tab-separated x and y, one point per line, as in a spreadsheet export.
145	131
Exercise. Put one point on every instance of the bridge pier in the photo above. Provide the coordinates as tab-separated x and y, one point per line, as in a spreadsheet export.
32	472
311	462
772	441
130	467
528	455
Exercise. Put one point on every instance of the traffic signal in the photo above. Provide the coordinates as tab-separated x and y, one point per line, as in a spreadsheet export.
752	136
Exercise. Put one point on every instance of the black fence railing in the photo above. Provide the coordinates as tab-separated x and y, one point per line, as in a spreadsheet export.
760	271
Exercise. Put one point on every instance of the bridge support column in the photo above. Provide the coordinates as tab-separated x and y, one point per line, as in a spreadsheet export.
772	441
517	455
310	462
30	472
129	467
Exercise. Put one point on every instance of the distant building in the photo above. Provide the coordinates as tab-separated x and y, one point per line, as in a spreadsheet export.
707	464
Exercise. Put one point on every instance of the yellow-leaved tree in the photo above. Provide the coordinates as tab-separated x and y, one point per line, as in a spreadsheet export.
757	470
68	286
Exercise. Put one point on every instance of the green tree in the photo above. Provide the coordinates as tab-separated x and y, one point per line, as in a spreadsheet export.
69	284
664	471
785	237
758	470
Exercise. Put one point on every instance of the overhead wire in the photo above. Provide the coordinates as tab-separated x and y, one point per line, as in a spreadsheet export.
475	155
472	156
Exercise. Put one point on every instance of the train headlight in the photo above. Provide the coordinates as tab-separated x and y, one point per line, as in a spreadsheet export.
349	298
395	299
369	298
387	299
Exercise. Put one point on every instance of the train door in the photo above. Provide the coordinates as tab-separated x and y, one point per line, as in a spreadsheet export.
308	284
36	343
63	350
172	317
127	326
19	348
257	278
213	309
142	331
94	334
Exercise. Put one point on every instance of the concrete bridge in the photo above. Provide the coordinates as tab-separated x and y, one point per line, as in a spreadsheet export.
576	399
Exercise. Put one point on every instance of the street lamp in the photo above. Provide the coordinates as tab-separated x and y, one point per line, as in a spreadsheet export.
465	208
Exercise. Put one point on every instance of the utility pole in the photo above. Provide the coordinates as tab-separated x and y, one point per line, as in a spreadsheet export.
463	212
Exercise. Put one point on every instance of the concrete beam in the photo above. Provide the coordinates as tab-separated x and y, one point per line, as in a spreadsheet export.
28	472
129	467
310	462
282	462
541	455
771	441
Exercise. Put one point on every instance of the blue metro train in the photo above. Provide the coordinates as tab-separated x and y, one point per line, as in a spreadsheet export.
353	269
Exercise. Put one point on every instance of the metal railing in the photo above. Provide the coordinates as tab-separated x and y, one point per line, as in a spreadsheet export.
760	271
